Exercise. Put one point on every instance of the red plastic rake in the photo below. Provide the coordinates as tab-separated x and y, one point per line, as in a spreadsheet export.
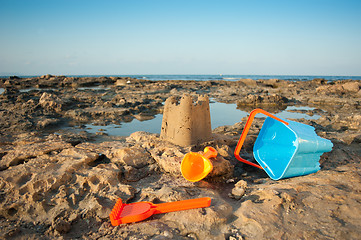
135	212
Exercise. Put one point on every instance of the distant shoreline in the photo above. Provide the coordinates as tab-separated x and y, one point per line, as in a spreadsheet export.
207	77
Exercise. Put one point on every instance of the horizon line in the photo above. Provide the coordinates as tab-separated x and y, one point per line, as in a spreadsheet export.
175	74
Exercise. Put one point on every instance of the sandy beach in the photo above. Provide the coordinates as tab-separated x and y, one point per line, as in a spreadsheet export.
59	181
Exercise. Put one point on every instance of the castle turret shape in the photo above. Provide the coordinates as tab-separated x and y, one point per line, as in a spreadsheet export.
186	123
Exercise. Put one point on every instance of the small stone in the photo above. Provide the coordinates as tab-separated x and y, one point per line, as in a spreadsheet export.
239	190
230	180
168	234
237	193
241	184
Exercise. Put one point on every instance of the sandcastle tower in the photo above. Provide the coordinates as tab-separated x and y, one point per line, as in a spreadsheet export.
186	123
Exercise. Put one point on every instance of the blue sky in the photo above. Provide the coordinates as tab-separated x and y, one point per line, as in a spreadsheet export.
315	37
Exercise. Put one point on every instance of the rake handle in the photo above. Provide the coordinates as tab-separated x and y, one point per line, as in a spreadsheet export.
182	205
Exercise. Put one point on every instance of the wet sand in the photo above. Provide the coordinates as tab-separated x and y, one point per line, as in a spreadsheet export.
60	183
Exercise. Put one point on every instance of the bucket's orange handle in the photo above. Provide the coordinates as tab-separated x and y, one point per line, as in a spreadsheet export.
182	205
245	132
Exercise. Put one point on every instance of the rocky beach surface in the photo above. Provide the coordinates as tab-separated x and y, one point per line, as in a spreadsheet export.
58	180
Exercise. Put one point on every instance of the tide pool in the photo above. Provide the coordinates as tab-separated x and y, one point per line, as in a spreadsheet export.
222	114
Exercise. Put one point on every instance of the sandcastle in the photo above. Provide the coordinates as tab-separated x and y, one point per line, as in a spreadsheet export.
186	123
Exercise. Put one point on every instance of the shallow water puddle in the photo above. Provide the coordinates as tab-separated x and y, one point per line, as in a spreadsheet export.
221	114
289	114
93	88
127	128
99	88
25	90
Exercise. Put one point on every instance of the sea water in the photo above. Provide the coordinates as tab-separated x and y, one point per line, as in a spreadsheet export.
206	77
237	77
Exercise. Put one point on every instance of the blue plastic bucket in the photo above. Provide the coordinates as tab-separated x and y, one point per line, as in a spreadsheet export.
291	150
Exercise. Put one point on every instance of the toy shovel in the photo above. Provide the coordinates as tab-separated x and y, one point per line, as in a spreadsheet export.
135	212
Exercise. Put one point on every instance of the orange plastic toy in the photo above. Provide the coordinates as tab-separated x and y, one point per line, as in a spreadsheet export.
195	166
135	212
245	132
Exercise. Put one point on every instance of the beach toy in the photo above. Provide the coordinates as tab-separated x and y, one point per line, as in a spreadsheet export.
135	212
195	166
284	148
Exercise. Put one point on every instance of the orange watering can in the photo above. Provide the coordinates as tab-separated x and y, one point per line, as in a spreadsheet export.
195	166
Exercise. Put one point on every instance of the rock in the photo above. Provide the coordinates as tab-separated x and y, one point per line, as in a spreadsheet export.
260	100
48	122
273	83
24	152
275	99
144	137
143	117
119	101
353	121
222	169
237	193
134	156
331	89
239	190
167	155
352	86
169	159
105	148
225	150
241	184
48	185
78	155
121	82
10	91
252	99
131	174
61	226
50	102
47	76
319	81
248	82
100	113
